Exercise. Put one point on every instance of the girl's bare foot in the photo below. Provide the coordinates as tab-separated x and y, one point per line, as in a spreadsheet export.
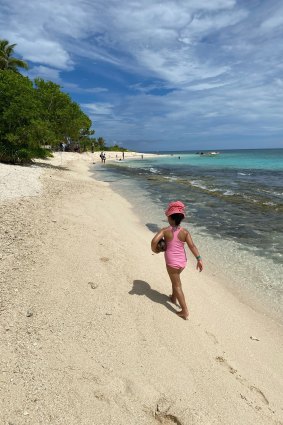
183	315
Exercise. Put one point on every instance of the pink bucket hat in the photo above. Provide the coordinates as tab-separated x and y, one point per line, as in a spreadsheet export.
175	207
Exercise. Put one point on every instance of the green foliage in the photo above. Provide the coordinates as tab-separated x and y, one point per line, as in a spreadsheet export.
101	143
116	148
33	115
36	115
6	59
89	143
65	116
20	116
13	153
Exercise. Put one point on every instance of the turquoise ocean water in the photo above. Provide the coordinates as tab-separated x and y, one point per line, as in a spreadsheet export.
235	209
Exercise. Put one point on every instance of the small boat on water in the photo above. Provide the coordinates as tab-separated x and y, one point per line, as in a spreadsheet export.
208	153
213	153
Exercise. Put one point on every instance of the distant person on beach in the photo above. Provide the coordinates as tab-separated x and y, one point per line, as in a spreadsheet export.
123	154
101	156
175	238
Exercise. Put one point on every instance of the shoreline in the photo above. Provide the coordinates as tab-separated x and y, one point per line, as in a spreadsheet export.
220	254
102	328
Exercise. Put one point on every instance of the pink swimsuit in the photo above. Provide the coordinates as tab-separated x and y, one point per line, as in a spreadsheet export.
175	254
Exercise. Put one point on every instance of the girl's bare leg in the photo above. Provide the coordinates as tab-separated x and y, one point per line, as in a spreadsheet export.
173	297
178	293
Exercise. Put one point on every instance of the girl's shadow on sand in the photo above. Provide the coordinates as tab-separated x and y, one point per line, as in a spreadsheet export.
140	287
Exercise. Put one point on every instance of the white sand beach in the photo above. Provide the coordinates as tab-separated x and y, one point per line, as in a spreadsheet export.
88	335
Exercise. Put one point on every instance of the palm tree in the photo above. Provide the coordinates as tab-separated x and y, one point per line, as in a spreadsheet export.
6	59
101	143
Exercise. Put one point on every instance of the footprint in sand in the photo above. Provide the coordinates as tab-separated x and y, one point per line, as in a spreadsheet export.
104	259
243	381
260	393
224	363
212	337
166	419
161	414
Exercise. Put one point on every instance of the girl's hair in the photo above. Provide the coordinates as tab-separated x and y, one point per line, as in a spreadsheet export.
177	217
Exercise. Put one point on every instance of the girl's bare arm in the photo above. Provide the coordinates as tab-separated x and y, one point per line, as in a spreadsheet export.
195	251
159	235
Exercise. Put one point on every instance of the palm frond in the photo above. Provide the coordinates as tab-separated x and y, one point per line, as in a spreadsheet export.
7	61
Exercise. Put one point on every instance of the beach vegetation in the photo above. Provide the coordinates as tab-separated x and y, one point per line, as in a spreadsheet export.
116	148
7	59
37	114
89	143
34	115
101	143
20	119
65	117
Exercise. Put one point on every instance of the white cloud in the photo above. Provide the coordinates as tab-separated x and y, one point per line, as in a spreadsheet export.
274	21
179	69
52	33
45	73
45	52
212	5
220	60
75	88
206	86
279	82
98	108
148	32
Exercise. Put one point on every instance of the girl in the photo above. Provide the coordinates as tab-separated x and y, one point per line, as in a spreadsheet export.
175	255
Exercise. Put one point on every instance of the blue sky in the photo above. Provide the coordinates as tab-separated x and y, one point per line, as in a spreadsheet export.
161	75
